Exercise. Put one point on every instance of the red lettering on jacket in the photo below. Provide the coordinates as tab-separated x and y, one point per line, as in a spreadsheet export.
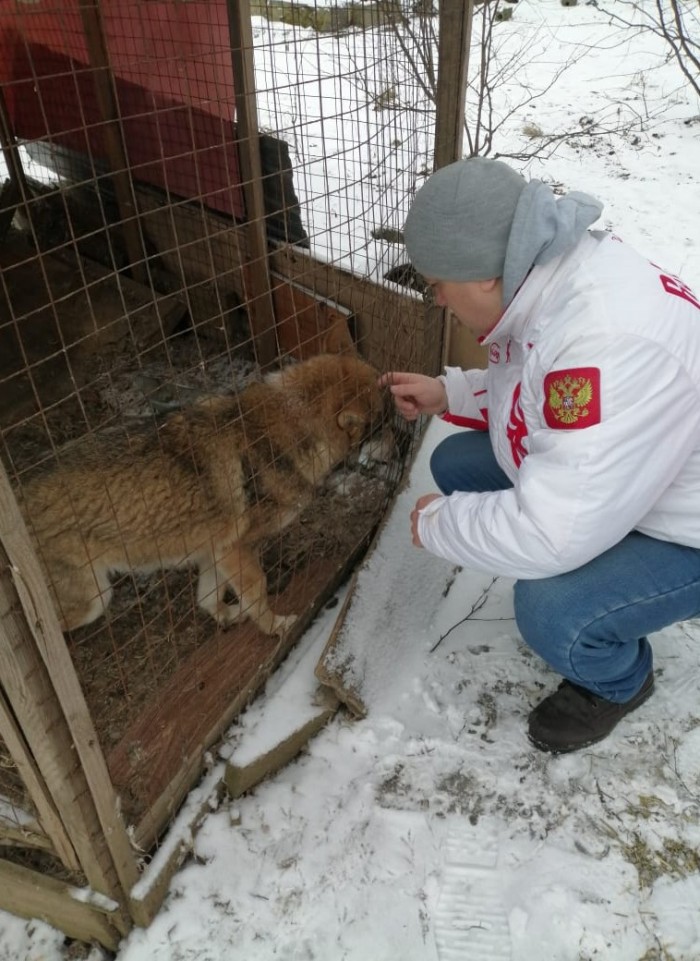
497	353
516	431
672	285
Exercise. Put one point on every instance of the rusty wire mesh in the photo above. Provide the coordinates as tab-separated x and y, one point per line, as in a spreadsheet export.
131	286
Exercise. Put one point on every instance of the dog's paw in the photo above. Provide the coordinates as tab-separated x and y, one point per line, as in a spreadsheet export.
228	614
279	624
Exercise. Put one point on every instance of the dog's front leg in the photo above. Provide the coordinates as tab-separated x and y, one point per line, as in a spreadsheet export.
240	566
211	591
81	588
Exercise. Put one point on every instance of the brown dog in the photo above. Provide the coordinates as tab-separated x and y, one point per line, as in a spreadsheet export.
205	488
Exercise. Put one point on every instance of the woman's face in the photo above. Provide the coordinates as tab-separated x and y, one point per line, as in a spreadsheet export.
477	304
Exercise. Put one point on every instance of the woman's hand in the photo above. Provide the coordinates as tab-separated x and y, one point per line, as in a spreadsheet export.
421	503
415	394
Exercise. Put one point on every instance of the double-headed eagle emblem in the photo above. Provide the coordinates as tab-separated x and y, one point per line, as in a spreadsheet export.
569	399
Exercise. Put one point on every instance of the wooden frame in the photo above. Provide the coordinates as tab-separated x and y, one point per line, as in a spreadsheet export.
29	894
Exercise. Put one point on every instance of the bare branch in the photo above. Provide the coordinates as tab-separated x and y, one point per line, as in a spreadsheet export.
476	606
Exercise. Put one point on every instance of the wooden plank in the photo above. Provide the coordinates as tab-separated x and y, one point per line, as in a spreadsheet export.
29	894
36	787
307	325
256	272
193	243
148	895
28	835
160	756
97	829
336	683
33	703
20	828
277	727
394	329
240	778
350	662
455	31
144	909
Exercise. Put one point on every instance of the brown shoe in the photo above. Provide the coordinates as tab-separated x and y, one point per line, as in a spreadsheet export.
573	717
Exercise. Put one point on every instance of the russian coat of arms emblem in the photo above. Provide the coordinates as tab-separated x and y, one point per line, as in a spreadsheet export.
572	398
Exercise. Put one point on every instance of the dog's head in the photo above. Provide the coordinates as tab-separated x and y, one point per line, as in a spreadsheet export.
360	401
339	390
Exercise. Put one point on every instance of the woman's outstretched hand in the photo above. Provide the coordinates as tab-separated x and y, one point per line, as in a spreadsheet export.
415	394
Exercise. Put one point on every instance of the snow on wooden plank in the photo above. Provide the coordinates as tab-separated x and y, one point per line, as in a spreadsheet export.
278	726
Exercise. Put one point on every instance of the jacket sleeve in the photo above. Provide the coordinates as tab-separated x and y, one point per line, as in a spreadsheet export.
467	397
579	491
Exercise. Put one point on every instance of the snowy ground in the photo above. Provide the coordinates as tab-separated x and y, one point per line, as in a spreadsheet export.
431	830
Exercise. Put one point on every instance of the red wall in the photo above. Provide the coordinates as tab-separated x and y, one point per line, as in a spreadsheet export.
174	87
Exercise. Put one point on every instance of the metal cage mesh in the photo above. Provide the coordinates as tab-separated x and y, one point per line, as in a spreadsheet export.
184	186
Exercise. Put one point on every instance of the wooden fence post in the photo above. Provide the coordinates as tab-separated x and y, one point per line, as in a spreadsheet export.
28	614
256	271
114	142
455	32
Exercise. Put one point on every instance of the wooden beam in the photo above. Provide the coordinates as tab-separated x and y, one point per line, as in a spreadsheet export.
57	725
148	895
394	329
256	271
33	702
35	786
240	778
114	143
29	894
455	32
160	756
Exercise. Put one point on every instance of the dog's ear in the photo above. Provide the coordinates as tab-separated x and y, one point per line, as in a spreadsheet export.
337	338
351	423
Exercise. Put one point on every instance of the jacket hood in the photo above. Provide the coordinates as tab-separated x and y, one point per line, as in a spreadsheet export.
544	227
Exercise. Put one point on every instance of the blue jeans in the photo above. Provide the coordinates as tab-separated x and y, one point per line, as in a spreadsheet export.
591	624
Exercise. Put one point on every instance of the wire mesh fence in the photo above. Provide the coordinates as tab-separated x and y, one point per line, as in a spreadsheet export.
200	215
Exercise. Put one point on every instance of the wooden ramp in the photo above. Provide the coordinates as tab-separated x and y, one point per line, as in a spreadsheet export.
159	756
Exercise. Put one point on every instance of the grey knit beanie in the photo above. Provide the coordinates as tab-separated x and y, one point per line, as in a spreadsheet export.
476	219
459	224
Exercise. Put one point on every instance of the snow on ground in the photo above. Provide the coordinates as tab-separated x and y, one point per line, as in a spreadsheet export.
431	830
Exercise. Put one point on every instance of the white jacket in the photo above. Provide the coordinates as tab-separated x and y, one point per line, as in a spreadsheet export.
592	397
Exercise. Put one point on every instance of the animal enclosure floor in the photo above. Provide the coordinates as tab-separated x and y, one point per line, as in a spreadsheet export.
161	680
62	318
